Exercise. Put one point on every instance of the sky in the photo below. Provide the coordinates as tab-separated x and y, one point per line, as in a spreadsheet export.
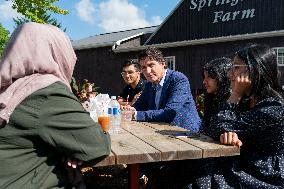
92	17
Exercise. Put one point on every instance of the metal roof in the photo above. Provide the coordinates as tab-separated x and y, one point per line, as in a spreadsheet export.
206	41
108	39
165	20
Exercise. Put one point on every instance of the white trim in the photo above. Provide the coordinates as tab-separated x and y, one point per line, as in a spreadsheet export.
134	59
117	43
165	20
277	48
206	41
113	44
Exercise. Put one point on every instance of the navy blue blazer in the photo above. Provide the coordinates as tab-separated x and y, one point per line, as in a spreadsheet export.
176	103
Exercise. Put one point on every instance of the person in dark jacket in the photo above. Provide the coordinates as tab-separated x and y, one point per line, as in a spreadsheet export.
42	122
135	84
259	131
217	85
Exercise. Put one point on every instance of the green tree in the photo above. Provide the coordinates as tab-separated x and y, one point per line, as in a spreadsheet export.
4	37
37	11
18	21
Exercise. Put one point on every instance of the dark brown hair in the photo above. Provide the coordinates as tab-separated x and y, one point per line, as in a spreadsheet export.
130	62
153	54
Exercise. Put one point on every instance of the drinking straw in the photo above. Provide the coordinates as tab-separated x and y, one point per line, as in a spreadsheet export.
103	107
127	99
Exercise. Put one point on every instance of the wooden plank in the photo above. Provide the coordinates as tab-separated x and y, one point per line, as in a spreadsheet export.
135	127
210	148
109	160
163	127
170	148
129	149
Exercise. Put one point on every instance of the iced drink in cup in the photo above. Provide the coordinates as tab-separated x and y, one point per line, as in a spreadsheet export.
104	122
103	119
101	101
126	115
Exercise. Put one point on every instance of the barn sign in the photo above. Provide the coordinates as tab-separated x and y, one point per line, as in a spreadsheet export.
223	15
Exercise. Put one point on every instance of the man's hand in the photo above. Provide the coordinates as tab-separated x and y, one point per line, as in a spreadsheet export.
125	107
128	107
136	97
230	138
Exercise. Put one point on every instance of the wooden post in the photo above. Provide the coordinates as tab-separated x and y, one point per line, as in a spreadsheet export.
133	174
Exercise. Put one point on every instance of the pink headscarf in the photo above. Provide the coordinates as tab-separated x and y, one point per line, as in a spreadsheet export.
36	56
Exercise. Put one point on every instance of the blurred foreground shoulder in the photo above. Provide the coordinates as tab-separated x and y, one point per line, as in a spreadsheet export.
67	125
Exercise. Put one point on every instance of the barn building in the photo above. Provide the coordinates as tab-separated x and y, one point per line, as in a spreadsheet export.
195	32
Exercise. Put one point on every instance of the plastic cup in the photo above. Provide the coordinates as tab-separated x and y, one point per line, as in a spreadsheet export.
126	115
104	122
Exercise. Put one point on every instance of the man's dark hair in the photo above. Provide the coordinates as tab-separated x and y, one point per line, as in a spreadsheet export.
153	54
130	62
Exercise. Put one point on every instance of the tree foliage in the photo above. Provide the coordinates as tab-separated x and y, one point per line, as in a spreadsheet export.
4	37
36	10
47	18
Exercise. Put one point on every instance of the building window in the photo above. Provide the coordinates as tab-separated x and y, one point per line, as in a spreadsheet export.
171	62
134	60
280	55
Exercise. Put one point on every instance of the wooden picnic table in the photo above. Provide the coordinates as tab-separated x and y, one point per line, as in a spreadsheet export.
144	142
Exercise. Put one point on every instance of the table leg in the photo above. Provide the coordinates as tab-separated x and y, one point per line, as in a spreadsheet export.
133	174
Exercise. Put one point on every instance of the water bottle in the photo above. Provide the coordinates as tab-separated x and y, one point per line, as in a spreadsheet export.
114	113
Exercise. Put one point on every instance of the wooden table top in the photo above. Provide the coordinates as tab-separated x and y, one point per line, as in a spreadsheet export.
143	142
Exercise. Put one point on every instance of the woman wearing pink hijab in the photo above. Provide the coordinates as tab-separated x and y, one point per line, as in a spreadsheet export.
41	120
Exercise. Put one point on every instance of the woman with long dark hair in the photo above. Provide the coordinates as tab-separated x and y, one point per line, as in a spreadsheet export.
217	85
259	131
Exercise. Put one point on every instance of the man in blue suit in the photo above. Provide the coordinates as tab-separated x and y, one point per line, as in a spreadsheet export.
166	96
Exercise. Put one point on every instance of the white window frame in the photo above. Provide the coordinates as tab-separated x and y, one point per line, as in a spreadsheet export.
277	55
134	60
173	59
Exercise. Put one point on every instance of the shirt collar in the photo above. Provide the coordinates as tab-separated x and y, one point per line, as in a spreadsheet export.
161	83
163	79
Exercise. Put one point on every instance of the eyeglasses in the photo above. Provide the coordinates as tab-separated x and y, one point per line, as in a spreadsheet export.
127	73
236	67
